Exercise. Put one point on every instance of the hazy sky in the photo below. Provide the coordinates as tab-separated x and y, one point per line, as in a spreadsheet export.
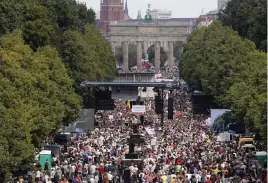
179	8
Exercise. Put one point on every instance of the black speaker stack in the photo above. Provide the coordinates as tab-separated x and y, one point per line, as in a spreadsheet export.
170	108
202	103
104	100
135	137
158	104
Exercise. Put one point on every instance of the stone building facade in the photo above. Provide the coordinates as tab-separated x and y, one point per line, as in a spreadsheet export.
161	33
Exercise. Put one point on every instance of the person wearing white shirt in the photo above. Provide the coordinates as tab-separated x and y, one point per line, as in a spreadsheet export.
52	173
198	177
110	177
132	169
38	174
91	180
93	169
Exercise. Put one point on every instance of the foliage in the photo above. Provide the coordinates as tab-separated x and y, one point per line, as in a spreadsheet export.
53	49
151	55
230	68
177	52
212	56
88	57
36	97
9	16
248	97
248	18
42	21
70	14
132	55
37	25
52	22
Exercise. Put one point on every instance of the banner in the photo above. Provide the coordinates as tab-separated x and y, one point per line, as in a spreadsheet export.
223	137
138	108
220	118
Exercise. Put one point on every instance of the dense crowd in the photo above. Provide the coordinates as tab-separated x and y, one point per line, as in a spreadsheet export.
183	151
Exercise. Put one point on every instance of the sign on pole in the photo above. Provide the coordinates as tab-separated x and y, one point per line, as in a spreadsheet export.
138	108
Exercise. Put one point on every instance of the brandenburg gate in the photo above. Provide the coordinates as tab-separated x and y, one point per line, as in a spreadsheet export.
148	32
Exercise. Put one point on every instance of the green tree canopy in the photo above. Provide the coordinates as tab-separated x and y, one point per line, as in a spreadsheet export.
177	51
248	96
9	16
230	68
249	19
37	96
212	56
43	22
88	57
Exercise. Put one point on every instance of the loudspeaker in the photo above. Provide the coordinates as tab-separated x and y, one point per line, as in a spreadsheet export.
158	105
126	175
105	104
103	95
202	103
142	119
170	108
136	136
131	148
131	156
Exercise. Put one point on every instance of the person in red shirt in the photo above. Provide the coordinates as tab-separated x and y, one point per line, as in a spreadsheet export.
179	161
168	159
208	181
101	170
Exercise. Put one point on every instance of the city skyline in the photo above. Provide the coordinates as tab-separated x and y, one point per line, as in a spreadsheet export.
179	8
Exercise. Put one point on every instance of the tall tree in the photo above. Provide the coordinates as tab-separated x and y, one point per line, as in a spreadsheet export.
38	28
213	55
88	57
9	16
36	98
231	69
248	96
248	18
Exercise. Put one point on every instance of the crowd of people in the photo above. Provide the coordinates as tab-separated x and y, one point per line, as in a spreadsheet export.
183	150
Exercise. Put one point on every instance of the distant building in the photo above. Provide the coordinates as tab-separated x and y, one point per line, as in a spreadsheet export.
98	15
221	4
111	10
139	15
206	19
126	16
161	14
213	14
203	21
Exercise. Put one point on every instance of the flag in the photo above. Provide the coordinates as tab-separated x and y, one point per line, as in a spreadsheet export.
128	105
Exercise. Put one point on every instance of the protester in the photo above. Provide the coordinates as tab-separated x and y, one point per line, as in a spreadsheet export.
183	151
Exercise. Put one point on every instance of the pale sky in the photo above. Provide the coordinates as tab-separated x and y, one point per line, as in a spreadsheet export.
179	8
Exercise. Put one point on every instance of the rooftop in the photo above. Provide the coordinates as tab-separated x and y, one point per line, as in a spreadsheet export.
124	84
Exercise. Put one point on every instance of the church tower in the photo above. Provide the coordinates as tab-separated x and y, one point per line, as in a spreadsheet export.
139	15
110	10
126	9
